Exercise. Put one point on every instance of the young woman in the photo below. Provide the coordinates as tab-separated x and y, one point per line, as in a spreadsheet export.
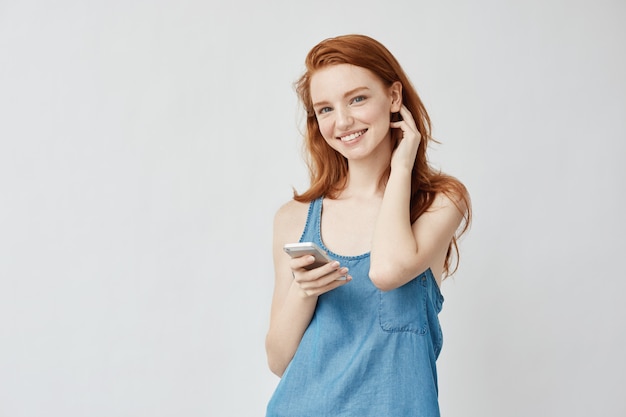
365	345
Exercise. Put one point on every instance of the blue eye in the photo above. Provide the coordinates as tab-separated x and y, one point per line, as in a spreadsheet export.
324	110
358	99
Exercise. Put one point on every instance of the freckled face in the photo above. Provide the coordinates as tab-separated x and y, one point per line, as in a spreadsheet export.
353	109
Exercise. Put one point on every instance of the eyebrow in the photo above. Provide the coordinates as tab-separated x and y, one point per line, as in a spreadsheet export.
347	94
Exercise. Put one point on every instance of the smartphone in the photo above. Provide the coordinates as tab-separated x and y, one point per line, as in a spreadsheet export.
296	250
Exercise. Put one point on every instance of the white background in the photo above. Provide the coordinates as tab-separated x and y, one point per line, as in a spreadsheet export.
145	146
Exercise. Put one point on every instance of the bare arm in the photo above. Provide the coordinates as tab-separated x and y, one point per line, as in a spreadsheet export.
401	250
295	289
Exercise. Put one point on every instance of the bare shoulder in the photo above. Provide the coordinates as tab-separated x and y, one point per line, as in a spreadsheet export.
451	200
290	220
446	213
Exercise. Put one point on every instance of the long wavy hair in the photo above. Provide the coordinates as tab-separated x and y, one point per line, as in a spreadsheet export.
328	169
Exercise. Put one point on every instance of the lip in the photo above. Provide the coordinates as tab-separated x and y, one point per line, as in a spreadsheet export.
356	133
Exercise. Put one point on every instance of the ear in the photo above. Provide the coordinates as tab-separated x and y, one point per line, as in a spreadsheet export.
396	96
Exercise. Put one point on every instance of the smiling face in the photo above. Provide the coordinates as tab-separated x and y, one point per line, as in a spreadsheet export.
353	109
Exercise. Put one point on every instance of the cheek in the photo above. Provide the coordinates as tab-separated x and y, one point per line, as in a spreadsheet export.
374	114
382	114
326	128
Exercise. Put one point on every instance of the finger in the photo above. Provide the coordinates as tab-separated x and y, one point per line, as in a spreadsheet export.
340	274
336	284
301	261
408	132
316	291
303	275
408	117
406	129
317	279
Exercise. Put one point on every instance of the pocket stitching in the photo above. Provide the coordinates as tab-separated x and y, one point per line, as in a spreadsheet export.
421	328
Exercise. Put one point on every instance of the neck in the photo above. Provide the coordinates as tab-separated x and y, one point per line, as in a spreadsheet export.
365	177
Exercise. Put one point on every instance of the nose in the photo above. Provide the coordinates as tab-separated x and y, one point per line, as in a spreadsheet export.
343	118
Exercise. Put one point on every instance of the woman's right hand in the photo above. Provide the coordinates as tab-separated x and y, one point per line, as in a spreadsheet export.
295	288
318	281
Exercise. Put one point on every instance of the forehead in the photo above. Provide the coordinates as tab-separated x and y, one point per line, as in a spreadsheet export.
340	78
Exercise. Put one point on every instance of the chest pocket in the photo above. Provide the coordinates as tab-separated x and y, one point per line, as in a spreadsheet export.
404	309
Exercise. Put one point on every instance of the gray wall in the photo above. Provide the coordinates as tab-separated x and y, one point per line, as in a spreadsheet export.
145	146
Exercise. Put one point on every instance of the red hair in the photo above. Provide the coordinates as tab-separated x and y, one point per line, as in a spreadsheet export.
328	169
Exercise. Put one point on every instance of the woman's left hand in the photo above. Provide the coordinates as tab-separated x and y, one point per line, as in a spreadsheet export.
409	142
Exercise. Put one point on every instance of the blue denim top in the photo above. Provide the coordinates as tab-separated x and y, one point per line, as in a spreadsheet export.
366	352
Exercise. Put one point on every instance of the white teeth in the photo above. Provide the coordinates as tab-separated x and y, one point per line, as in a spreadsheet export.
352	136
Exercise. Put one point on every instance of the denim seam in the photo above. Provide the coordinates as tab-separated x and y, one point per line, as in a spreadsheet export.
328	251
308	221
421	328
